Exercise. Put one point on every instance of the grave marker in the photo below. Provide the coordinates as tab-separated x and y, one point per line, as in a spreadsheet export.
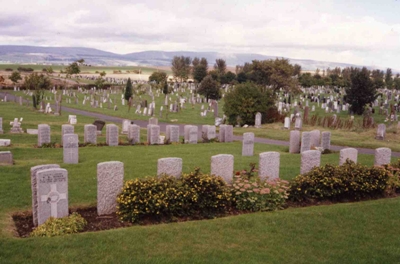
348	153
382	156
248	144
169	166
43	134
71	149
222	165
110	180
90	134
269	165
310	159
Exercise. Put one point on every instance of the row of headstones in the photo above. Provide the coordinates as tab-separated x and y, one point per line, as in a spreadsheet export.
312	158
49	185
308	140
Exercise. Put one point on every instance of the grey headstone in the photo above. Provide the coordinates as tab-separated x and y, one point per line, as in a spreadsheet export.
294	143
110	180
34	170
71	149
43	134
153	134
52	194
125	124
298	123
1	125
112	135
228	133
305	141
258	120
172	133
6	157
315	138
66	129
221	134
382	156
193	135
326	140
170	166
310	159
381	132
153	121
222	165
287	123
208	132
348	153
269	165
90	134
248	144
134	134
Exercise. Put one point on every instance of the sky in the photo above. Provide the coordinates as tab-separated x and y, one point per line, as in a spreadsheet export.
362	32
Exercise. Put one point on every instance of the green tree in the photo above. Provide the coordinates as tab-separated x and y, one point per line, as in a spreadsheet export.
389	78
229	77
306	80
199	72
15	77
38	83
158	77
220	66
362	90
245	100
165	88
128	90
181	67
209	88
396	83
73	68
377	78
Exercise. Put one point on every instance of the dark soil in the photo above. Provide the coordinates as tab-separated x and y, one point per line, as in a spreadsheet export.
24	221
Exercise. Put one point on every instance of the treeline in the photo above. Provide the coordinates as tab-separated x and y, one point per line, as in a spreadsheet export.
342	78
278	73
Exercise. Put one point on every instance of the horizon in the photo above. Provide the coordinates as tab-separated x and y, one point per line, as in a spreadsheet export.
358	32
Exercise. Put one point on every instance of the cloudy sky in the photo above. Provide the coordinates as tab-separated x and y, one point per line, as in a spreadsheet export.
364	32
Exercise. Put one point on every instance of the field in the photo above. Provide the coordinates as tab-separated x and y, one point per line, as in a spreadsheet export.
363	232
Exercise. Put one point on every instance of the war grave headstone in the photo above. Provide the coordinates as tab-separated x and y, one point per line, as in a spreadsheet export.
228	133
34	179
110	180
221	134
269	165
294	141
208	132
71	149
248	144
258	120
169	166
66	129
305	141
172	133
1	125
298	123
133	134
153	121
112	135
153	134
287	123
125	124
310	159
382	156
326	140
90	134
348	153
222	165
52	194
381	132
43	134
193	135
315	138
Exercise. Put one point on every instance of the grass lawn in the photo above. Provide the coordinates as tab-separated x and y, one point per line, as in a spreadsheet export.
364	232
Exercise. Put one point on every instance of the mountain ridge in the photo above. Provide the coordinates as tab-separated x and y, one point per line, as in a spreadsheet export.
65	55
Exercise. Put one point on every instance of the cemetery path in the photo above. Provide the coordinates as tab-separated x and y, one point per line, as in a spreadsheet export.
143	124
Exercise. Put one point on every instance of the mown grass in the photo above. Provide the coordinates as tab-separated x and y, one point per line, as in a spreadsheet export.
364	232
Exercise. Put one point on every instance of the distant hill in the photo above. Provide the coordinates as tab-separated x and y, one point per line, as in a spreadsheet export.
66	55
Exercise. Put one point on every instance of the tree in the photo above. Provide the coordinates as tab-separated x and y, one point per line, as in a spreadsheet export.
15	77
361	92
102	74
99	82
73	68
181	67
37	83
377	78
158	77
229	77
165	88
199	72
389	78
245	100
296	70
128	90
306	80
220	66
209	88
195	62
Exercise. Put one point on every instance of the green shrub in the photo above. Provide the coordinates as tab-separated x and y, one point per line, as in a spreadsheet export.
194	194
252	194
347	182
60	226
